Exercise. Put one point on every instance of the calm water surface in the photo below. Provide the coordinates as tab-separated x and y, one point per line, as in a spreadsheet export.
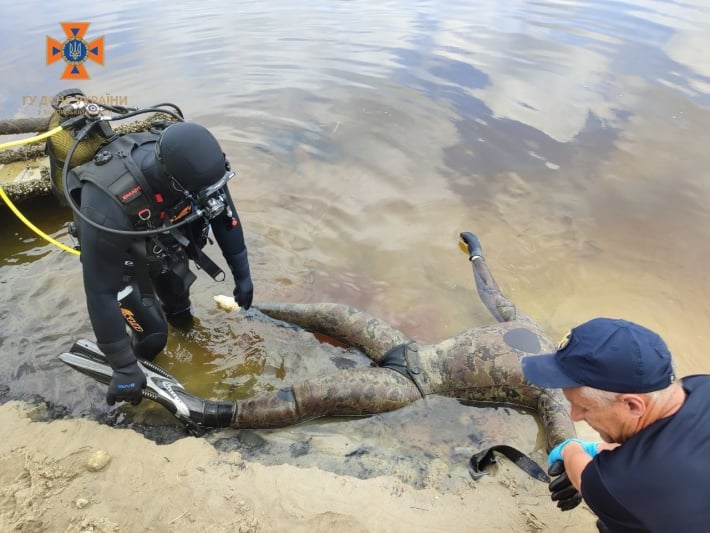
571	136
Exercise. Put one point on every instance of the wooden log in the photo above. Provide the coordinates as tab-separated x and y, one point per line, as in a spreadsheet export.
23	125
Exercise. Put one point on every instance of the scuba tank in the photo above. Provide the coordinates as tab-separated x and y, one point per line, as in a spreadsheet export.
69	107
85	130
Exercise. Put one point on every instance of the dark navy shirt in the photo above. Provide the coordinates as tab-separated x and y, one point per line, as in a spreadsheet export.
659	480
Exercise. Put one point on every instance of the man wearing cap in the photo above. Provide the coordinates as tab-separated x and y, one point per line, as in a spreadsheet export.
652	470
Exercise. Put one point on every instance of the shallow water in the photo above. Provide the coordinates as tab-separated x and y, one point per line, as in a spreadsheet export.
569	135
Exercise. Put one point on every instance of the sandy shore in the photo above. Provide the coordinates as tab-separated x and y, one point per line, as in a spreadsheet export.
81	476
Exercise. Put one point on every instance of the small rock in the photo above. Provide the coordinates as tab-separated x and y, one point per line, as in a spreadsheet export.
98	460
81	503
226	302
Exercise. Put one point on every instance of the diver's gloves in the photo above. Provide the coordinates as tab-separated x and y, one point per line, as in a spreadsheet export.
128	380
561	489
555	454
473	244
243	286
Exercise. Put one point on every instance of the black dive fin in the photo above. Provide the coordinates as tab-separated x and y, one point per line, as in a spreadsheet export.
85	357
161	388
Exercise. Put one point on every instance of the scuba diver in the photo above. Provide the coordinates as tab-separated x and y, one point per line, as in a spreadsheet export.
478	365
144	204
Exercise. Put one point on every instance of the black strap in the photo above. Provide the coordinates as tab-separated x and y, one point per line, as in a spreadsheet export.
145	186
198	256
479	461
141	272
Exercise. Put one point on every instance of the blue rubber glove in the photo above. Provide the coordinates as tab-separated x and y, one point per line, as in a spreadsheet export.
555	454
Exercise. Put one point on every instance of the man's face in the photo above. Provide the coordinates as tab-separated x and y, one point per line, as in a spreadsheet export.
613	421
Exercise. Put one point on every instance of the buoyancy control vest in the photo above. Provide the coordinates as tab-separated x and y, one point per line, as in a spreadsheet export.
114	171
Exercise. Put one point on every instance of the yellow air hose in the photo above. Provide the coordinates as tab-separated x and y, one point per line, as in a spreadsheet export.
36	138
12	206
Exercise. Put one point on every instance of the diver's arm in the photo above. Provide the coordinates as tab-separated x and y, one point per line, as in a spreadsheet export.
227	229
228	232
492	297
102	257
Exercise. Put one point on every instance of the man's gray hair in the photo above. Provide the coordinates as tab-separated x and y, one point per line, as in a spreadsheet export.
603	397
599	397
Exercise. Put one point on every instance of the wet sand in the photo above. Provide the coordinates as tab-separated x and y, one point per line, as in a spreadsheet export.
81	476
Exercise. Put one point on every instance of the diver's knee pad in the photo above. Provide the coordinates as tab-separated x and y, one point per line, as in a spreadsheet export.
149	346
141	312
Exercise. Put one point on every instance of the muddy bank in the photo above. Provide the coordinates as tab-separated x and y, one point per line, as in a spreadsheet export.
77	475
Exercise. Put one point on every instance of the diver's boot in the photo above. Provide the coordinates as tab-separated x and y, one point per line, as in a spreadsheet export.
183	320
207	413
147	347
218	414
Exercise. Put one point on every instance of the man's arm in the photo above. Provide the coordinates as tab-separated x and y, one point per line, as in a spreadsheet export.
576	460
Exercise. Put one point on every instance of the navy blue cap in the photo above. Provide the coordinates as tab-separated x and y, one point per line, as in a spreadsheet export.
608	354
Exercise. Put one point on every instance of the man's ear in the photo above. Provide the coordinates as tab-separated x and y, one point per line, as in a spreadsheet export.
635	404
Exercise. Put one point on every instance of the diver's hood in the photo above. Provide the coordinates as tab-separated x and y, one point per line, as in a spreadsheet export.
188	154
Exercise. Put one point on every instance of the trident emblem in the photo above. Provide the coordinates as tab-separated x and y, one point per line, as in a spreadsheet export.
75	51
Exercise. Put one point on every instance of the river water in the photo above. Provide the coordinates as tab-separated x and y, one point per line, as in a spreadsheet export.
571	136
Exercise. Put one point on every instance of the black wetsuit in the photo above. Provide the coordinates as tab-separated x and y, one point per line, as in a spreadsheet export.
112	263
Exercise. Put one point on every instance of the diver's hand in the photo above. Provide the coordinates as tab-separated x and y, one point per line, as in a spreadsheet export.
473	244
127	384
244	292
591	448
243	286
561	489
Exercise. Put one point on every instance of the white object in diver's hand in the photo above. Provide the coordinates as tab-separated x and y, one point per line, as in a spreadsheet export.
226	302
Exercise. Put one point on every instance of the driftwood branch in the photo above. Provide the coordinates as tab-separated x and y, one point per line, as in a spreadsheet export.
24	125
